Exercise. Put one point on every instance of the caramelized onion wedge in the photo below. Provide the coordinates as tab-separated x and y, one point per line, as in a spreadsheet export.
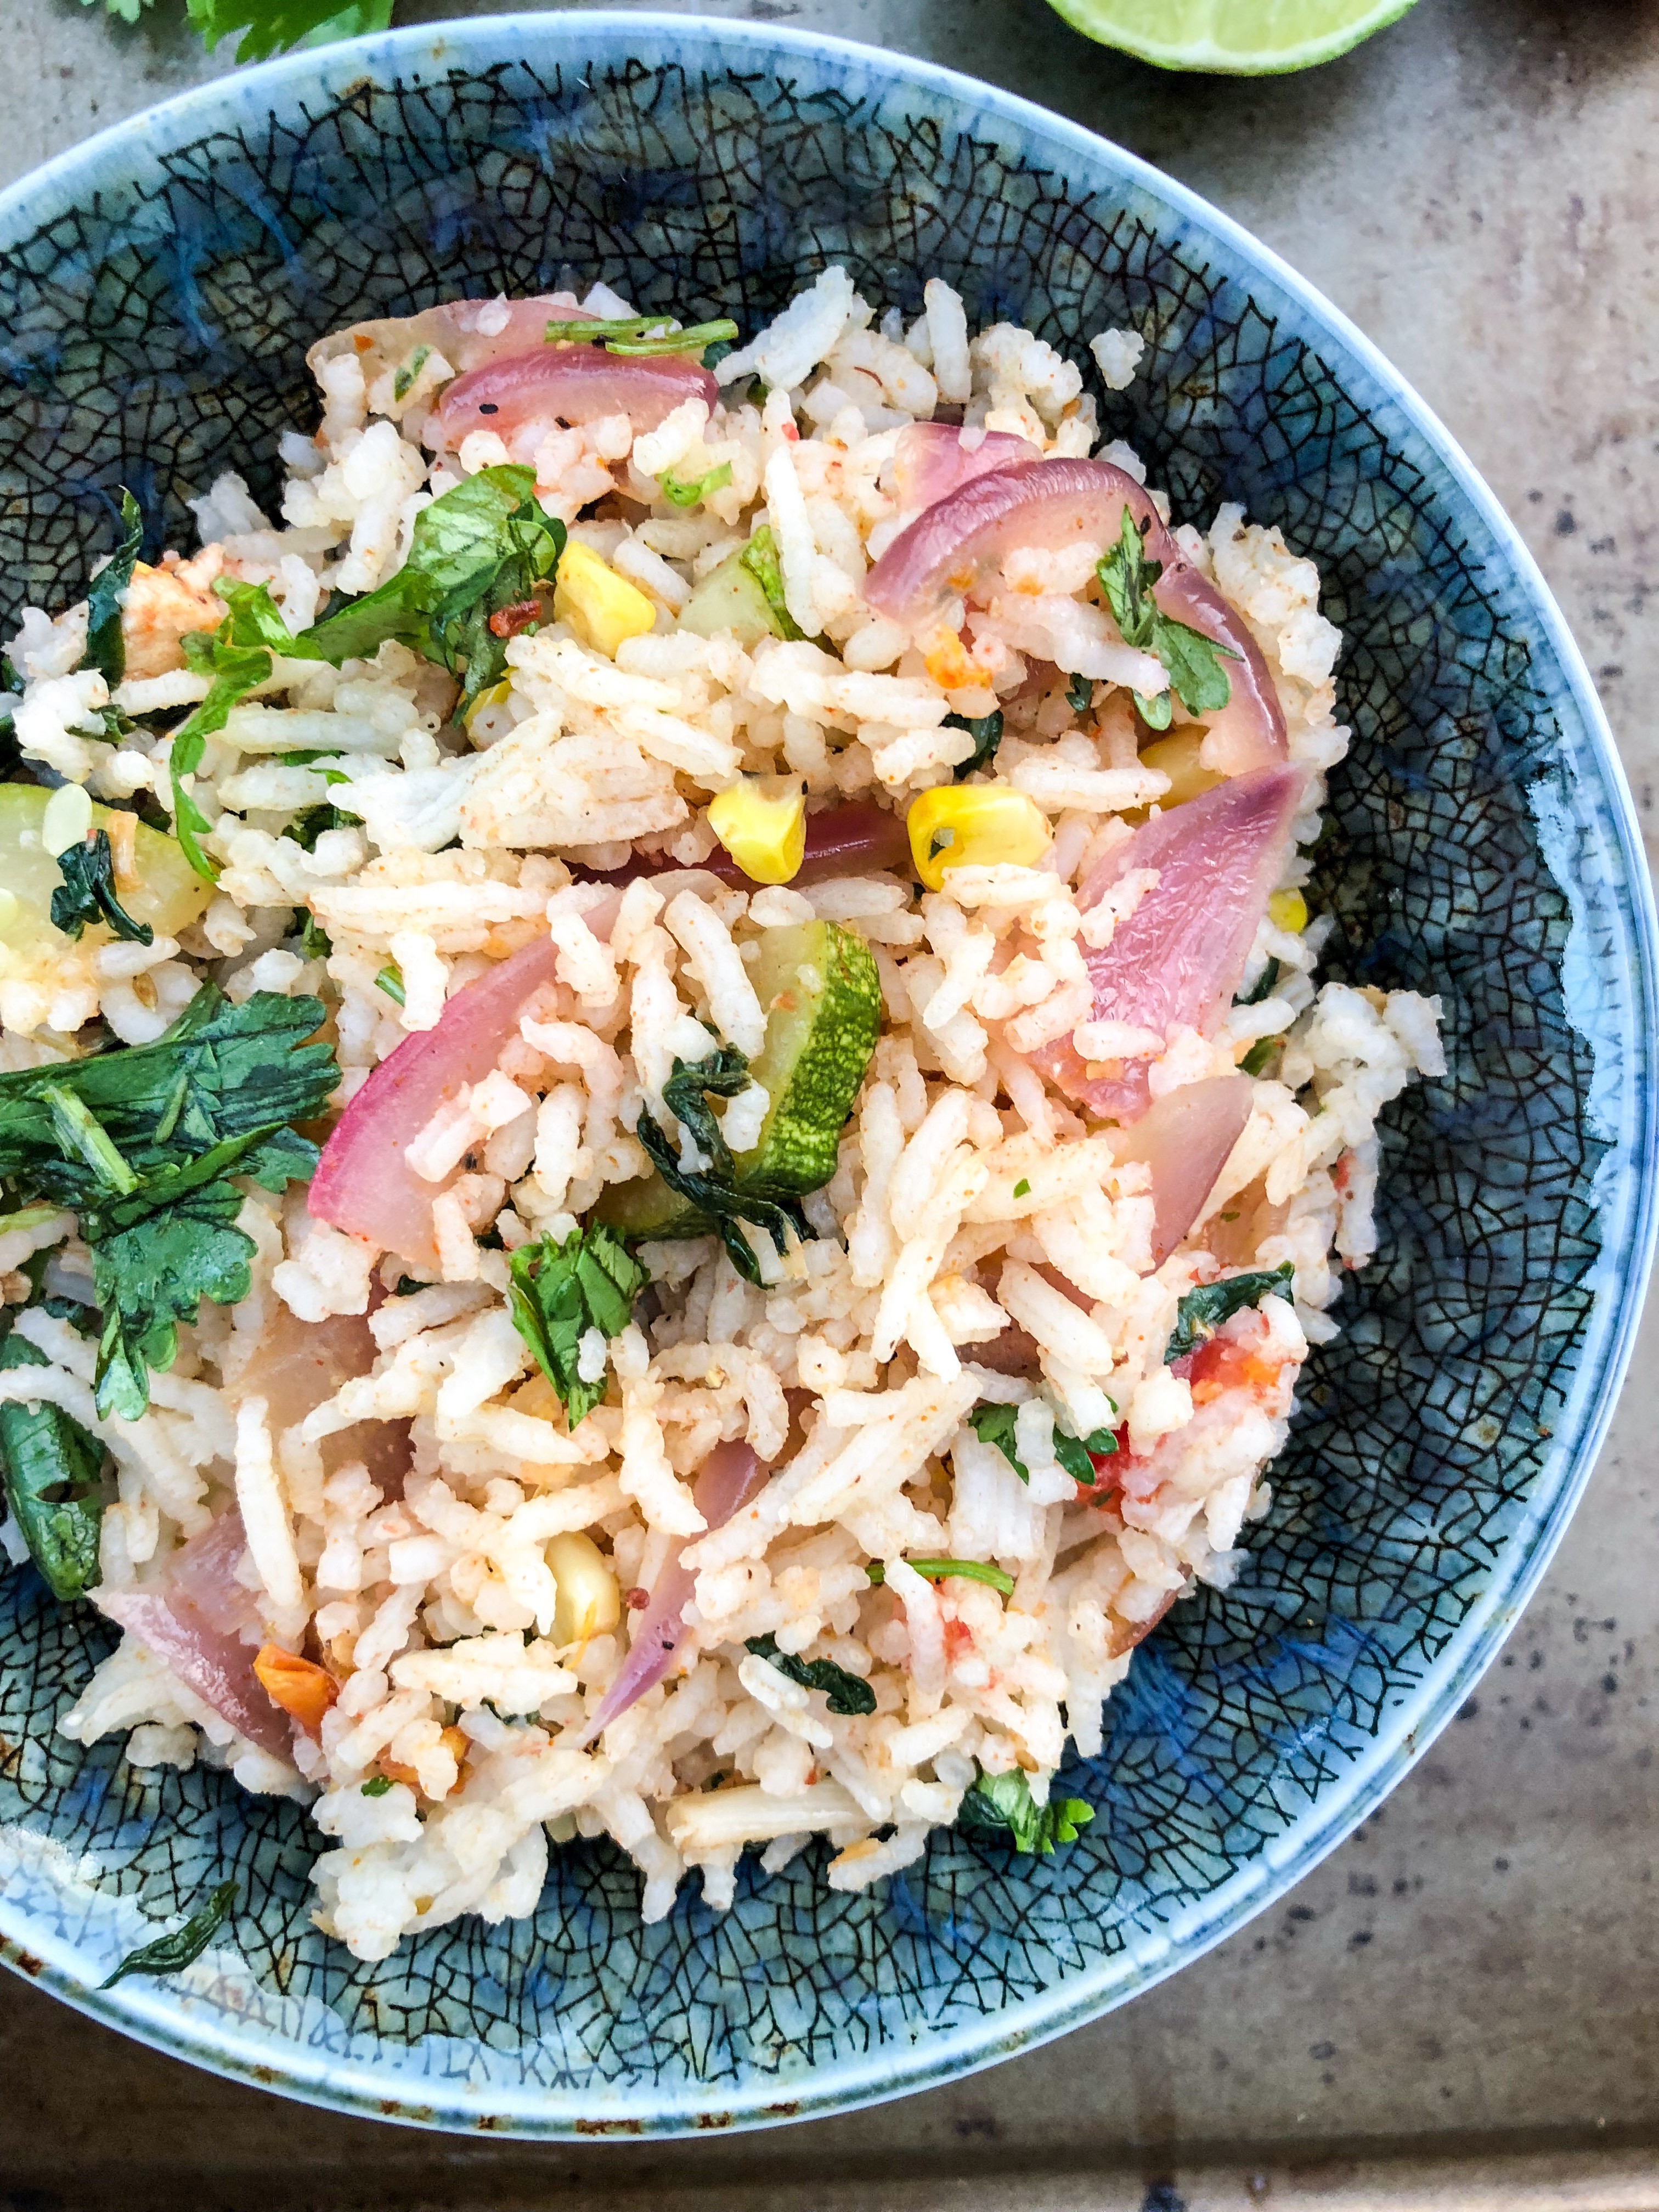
1185	1137
219	1669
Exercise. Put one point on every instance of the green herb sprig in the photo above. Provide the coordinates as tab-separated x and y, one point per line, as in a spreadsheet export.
476	550
558	1291
986	731
51	1471
1191	660
641	335
1002	1806
936	1571
1202	1310
847	1695
682	493
106	649
996	1425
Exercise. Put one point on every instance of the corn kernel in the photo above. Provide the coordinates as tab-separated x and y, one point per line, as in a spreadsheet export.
977	825
1288	910
588	1603
602	607
1176	756
761	823
494	694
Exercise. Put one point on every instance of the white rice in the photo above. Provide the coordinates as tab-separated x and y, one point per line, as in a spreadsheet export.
965	1183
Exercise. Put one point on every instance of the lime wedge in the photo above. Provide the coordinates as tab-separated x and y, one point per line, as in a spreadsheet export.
1239	38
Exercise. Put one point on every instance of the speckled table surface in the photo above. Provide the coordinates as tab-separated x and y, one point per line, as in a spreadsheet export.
1457	2009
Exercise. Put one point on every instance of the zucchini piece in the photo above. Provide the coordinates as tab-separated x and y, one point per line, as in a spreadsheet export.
819	983
51	1473
729	597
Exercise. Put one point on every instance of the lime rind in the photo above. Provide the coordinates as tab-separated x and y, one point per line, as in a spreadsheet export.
1100	20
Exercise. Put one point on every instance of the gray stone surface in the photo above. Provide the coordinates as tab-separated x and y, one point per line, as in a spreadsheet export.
1473	1972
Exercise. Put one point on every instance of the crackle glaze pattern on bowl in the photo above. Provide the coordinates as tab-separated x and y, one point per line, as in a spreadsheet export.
158	288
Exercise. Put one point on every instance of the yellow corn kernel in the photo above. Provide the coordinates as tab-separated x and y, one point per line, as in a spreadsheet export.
602	607
973	825
588	1603
761	823
1288	910
1176	756
496	695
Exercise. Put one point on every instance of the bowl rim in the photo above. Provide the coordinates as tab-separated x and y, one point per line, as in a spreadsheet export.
160	2014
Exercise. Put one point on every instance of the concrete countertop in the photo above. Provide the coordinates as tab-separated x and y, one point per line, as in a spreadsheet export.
1457	2008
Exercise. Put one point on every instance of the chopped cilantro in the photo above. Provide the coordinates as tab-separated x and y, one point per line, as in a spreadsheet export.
987	734
996	1425
1259	1058
391	980
315	943
106	649
559	1292
1202	1310
1002	1806
1262	988
1022	1189
87	893
641	334
171	1954
847	1695
143	1142
484	546
1191	660
1079	694
681	494
377	1785
51	1471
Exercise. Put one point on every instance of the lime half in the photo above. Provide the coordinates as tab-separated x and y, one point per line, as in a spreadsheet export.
1241	37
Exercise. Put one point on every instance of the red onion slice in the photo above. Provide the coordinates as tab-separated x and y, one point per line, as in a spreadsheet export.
725	1482
1178	958
568	384
363	1184
955	545
201	1576
931	461
466	332
1185	1138
219	1669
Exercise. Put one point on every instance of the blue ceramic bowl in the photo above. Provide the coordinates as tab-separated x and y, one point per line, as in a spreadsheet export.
157	290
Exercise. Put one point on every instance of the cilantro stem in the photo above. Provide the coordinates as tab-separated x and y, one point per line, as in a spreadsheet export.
971	1570
391	980
80	1131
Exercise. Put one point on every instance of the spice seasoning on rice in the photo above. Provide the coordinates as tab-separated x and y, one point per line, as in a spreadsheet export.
834	1152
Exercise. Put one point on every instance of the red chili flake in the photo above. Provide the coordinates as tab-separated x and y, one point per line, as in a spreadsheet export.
507	621
637	1599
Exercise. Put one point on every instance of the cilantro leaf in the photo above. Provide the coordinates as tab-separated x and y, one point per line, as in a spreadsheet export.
1202	1310
142	1142
267	27
995	1424
476	550
1192	661
1262	988
681	493
106	649
87	893
1079	694
406	377
847	1693
986	731
171	1954
1259	1058
1002	1806
558	1291
51	1474
237	657
715	1191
